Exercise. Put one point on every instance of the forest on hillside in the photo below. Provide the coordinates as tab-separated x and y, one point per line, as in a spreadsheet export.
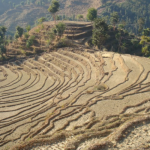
130	12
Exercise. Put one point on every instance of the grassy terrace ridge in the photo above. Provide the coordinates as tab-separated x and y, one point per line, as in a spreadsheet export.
73	98
78	32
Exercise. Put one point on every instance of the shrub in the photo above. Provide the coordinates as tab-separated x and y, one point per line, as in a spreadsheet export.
26	35
23	52
30	41
101	87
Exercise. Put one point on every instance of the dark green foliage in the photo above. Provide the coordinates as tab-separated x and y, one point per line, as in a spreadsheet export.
41	20
16	36
53	8
118	40
28	28
79	17
2	49
19	32
26	35
30	41
59	29
146	32
99	32
114	19
141	23
145	42
130	12
3	41
92	14
135	43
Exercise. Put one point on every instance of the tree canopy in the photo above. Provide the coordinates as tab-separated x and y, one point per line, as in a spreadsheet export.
100	29
114	19
41	20
60	28
92	14
19	32
53	8
80	17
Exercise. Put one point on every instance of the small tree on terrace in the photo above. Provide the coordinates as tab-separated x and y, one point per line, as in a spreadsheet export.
114	19
3	30
99	32
19	32
79	16
28	28
53	8
2	49
92	14
59	29
41	20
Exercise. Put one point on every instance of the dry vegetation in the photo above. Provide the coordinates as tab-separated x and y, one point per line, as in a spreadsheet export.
74	98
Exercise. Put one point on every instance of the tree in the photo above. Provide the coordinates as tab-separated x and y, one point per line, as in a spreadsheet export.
135	43
57	17
41	20
121	26
53	8
30	41
92	14
146	32
99	35
118	37
114	19
19	32
28	28
3	29
2	49
141	23
59	29
123	47
145	45
79	17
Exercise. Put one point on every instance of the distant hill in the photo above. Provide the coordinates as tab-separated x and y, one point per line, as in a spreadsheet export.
27	12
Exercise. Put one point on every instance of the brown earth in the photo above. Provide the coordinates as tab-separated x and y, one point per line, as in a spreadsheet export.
67	97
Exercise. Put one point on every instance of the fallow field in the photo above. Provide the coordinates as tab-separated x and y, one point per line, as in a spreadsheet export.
75	99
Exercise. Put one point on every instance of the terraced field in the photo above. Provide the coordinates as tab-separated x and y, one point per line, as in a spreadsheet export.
75	99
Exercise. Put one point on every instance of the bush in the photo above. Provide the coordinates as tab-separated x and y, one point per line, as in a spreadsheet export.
101	87
30	41
26	35
63	42
135	42
23	52
59	29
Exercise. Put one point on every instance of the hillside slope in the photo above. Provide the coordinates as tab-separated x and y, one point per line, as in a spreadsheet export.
27	14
